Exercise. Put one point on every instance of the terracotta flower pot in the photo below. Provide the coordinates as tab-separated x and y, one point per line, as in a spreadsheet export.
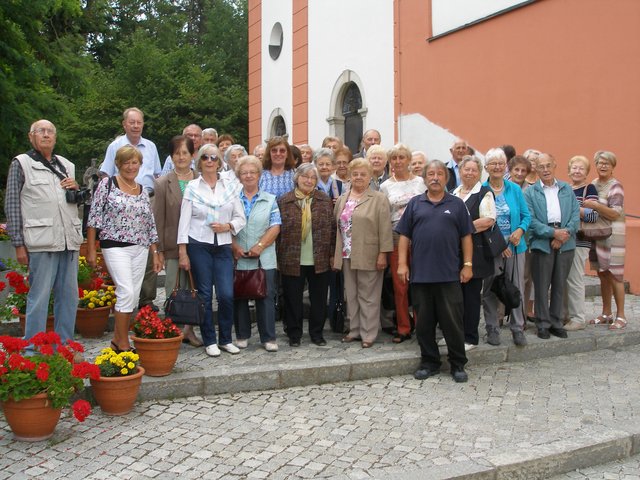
50	322
32	419
117	395
92	322
158	356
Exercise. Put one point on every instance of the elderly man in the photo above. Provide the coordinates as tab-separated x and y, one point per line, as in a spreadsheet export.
458	150
43	223
438	227
209	136
369	138
418	162
194	132
555	219
133	124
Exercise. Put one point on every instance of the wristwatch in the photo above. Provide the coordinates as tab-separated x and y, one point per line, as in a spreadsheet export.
468	264
260	245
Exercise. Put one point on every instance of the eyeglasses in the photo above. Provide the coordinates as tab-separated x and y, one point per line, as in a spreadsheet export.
309	177
205	156
250	173
496	164
42	131
278	150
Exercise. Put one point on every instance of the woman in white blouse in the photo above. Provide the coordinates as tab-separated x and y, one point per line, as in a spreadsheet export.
211	213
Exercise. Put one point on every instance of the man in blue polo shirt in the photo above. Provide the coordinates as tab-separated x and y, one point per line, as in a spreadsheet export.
438	226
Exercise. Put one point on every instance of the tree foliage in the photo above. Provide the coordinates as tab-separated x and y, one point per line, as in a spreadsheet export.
81	63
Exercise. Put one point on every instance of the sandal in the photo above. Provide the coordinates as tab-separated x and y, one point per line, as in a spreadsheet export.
602	320
367	344
399	338
618	324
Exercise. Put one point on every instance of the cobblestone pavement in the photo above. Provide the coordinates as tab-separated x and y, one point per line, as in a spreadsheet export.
380	428
628	469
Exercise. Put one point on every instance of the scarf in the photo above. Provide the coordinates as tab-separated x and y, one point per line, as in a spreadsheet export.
305	205
231	189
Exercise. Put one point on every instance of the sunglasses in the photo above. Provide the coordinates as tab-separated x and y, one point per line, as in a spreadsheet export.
213	158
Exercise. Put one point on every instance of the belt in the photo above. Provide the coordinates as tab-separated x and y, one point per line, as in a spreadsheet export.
555	224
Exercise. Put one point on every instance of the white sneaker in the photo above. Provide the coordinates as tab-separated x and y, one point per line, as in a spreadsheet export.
242	343
230	348
469	346
271	346
442	342
213	350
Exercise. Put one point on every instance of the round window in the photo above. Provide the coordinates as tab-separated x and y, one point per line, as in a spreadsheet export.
275	41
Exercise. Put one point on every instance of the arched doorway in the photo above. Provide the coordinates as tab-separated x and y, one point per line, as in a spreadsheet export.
351	107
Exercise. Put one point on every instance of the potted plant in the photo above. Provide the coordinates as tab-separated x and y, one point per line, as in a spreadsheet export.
157	341
93	311
6	249
117	386
35	388
15	303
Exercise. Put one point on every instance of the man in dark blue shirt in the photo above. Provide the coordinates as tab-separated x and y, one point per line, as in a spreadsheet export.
438	227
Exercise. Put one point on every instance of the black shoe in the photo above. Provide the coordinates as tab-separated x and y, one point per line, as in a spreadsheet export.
493	336
459	375
321	342
389	330
294	343
518	338
424	373
543	333
558	332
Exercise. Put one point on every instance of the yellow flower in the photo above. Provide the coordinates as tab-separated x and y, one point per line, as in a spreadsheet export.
124	371
110	288
131	365
85	293
102	304
108	304
91	305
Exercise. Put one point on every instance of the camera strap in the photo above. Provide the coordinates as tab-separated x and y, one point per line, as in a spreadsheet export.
36	156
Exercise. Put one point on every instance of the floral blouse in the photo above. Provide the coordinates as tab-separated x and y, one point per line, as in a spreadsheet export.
277	185
346	225
122	217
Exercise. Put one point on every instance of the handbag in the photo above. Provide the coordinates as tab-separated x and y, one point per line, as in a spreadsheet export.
506	291
591	231
184	305
250	284
337	321
494	241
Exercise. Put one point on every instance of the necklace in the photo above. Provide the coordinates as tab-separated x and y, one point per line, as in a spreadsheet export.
135	187
497	189
409	177
184	175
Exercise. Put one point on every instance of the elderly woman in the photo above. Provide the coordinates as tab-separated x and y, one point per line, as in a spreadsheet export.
608	257
223	143
166	210
231	156
279	167
574	292
512	218
343	158
211	213
519	169
122	212
482	208
255	245
304	253
377	157
399	189
306	152
363	241
325	163
418	162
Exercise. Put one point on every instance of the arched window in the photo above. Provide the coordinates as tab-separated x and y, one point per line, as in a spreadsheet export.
351	106
347	109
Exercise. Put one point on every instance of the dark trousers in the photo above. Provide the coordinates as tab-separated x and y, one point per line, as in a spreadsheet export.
472	294
439	303
149	284
293	288
549	272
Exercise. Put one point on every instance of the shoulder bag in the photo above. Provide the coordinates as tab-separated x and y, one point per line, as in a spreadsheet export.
250	284
598	230
506	291
494	241
184	305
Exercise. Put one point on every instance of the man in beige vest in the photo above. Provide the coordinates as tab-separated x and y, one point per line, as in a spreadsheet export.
43	223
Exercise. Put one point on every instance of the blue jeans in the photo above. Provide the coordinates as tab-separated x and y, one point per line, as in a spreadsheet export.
57	271
265	313
212	266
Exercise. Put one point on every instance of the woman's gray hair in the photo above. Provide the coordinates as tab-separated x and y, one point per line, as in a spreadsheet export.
234	148
248	160
305	169
323	152
495	154
439	164
470	158
204	149
609	157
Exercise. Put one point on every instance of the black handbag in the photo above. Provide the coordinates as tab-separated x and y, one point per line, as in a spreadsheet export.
250	284
506	291
337	321
184	305
494	241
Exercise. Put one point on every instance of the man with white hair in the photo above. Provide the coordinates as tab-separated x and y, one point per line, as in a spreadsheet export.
458	150
194	132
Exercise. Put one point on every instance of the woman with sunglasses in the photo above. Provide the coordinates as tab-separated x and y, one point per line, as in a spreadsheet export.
211	213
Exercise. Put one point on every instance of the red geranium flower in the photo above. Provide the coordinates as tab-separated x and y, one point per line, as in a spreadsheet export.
81	409
42	373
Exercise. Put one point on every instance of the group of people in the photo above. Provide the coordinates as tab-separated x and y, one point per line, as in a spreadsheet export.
331	221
